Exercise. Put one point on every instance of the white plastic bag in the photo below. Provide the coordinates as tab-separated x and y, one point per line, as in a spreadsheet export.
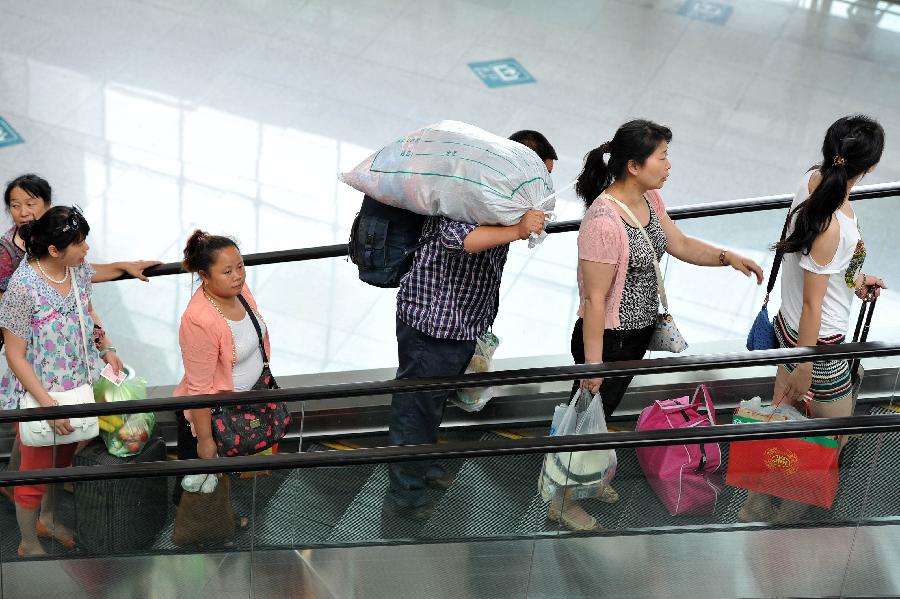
199	483
458	171
584	472
755	408
473	399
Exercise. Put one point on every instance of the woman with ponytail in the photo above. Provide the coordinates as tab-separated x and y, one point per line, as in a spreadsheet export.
820	272
616	277
220	346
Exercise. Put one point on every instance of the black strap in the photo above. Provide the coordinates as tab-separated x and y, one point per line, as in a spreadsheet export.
776	263
256	326
862	332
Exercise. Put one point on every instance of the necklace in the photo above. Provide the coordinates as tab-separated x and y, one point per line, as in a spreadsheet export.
228	322
49	278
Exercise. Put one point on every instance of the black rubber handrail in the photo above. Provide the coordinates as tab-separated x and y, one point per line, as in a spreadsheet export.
845	351
757	204
464	450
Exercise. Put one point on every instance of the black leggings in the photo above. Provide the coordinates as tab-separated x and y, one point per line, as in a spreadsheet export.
187	449
617	345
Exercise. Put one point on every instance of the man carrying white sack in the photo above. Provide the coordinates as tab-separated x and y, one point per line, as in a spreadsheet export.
447	300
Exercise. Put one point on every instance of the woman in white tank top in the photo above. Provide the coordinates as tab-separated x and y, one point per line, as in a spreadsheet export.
821	270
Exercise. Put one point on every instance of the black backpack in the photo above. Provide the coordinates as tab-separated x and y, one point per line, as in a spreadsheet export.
383	241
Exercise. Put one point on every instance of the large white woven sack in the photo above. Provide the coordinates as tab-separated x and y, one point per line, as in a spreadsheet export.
459	171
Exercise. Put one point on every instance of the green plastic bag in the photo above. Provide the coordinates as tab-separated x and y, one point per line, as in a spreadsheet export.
127	434
473	399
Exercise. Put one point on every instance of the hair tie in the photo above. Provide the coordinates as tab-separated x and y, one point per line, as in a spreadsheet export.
605	147
839	160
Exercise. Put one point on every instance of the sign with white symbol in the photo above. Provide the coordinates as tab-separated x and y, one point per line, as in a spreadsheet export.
705	10
500	73
8	135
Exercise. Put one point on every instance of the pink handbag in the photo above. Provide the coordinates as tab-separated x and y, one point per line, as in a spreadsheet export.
686	478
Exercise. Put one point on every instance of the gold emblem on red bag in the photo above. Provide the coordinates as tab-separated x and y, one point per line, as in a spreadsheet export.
781	460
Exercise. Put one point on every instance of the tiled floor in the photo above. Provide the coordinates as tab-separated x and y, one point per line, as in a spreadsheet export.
236	116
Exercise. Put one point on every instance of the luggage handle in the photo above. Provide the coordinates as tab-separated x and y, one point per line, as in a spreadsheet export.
862	331
707	400
677	406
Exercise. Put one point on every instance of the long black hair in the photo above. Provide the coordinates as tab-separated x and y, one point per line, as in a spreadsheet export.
635	140
853	145
61	226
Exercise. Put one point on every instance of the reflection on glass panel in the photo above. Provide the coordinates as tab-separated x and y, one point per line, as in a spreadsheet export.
142	120
221	141
714	307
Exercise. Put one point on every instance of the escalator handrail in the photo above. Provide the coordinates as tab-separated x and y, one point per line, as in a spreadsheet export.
846	351
865	192
464	450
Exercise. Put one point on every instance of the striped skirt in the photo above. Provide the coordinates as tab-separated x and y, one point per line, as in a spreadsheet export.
830	378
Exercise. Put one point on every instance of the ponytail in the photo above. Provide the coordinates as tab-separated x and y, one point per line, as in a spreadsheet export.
202	249
594	177
635	140
852	146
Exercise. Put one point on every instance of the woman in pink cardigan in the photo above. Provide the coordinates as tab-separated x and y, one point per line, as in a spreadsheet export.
219	344
616	279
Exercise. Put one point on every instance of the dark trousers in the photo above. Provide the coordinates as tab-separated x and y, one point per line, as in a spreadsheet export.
186	449
416	416
617	345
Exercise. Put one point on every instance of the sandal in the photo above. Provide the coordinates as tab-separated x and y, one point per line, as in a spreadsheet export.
555	515
45	533
21	553
607	494
757	513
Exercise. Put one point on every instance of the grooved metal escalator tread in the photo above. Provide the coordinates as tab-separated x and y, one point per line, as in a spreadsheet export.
490	497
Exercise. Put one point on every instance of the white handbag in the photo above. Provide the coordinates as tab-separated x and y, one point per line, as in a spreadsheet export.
666	336
39	433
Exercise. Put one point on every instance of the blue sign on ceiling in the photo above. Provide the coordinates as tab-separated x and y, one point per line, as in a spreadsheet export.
8	135
704	10
500	73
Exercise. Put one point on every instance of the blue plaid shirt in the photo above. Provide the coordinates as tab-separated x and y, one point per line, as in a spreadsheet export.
449	293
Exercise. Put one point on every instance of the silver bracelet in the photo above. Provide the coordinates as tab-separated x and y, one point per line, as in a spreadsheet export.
108	350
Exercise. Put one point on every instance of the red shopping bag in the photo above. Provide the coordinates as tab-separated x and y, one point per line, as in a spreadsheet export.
803	469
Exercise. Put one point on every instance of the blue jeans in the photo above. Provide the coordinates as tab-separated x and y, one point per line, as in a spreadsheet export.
416	416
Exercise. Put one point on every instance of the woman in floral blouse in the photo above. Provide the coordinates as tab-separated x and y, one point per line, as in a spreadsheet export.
46	353
27	198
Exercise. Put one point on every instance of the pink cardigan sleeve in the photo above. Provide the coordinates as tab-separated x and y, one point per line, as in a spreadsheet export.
598	238
200	355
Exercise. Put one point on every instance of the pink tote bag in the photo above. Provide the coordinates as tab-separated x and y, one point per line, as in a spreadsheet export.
686	478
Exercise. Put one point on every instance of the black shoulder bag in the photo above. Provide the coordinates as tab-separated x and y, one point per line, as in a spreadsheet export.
249	429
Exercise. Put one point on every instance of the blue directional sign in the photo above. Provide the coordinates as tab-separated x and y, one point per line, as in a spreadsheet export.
500	73
705	10
8	135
